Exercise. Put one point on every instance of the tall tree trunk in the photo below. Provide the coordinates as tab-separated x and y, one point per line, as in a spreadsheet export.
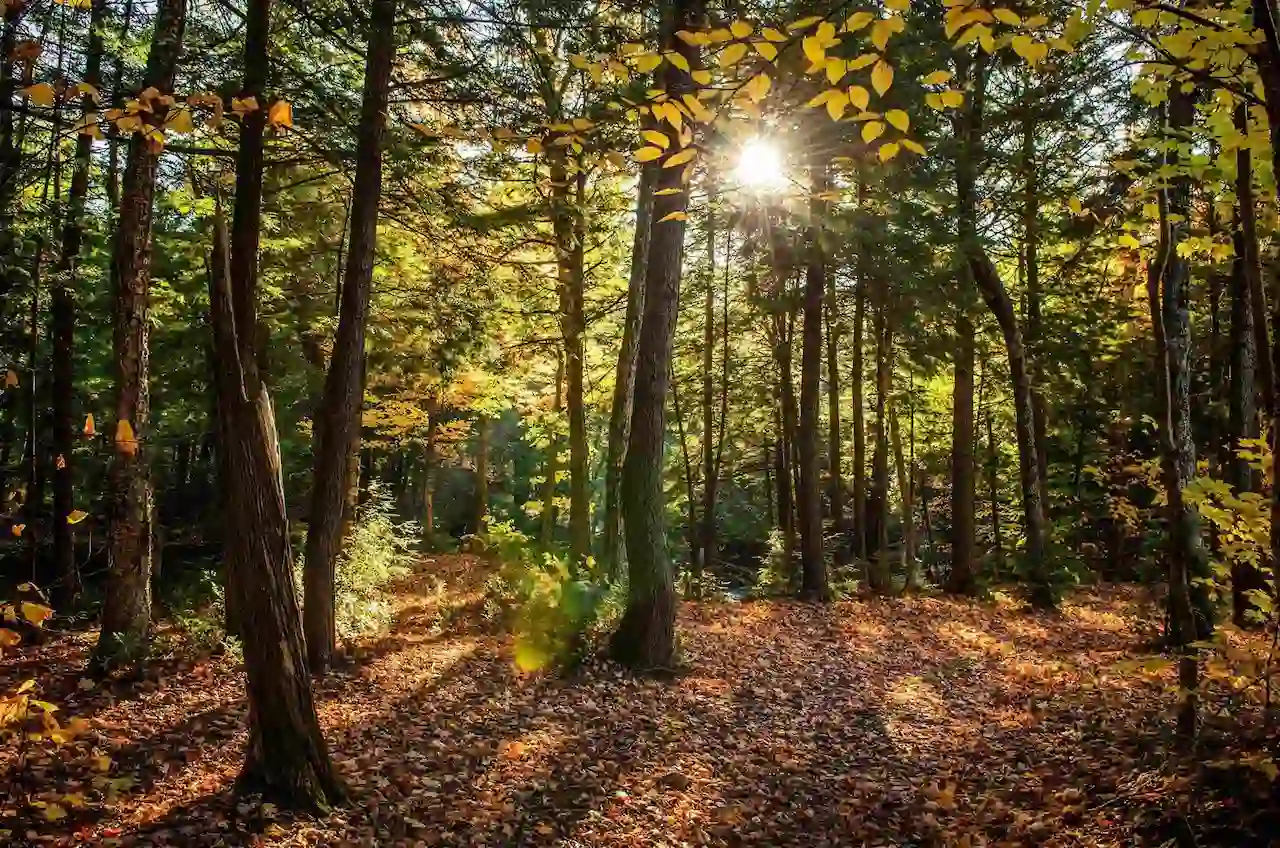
786	388
126	609
553	465
962	579
993	492
859	527
625	378
996	296
645	637
63	320
338	418
906	485
813	566
286	757
834	447
480	519
117	93
707	532
429	461
1031	264
879	573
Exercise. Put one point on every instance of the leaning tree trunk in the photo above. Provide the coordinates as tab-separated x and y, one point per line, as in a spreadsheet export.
63	320
813	567
286	757
338	418
126	608
625	379
962	580
645	638
996	297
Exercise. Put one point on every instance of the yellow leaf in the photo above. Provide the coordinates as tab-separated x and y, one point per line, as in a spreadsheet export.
881	31
26	686
741	29
179	121
837	103
239	105
581	124
646	62
951	98
76	516
732	55
647	154
888	151
655	137
835	70
673	216
820	98
666	191
533	145
88	90
858	20
863	61
936	78
60	463
41	94
805	23
17	529
35	613
882	77
10	379
677	59
814	50
101	763
898	119
88	426
913	146
771	34
859	97
758	87
8	638
54	812
701	77
767	50
897	5
1006	16
871	131
694	38
680	157
126	441
281	114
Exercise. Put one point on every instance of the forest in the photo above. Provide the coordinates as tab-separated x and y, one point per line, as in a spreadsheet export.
755	422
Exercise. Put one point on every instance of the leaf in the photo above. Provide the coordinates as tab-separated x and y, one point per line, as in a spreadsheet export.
813	50
8	638
126	440
76	516
871	131
882	77
837	103
951	98
701	76
667	191
533	146
857	21
280	114
88	425
1126	240
179	121
897	5
732	55
646	62
804	23
888	151
674	216
35	613
859	97
677	59
863	61
54	812
648	154
1005	16
936	78
741	29
655	137
913	146
771	34
41	94
680	157
767	50
898	119
11	379
17	529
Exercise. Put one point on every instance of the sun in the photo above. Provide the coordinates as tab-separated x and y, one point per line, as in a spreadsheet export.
760	165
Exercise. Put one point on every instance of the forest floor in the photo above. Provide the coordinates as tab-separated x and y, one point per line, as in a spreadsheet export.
916	721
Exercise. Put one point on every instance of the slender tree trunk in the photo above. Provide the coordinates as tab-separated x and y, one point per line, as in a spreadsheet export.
553	466
812	556
786	389
480	521
962	579
429	461
906	484
126	609
645	638
338	418
63	319
859	428
834	447
625	378
993	492
707	532
286	758
1031	263
996	296
881	578
117	92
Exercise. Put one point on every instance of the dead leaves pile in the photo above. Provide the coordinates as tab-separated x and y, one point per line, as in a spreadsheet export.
906	722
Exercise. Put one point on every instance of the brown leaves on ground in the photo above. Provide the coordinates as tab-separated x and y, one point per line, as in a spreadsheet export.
905	722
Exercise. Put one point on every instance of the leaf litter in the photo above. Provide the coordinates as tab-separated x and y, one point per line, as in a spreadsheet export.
915	721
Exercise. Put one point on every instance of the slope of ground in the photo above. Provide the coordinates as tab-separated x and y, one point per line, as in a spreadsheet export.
901	722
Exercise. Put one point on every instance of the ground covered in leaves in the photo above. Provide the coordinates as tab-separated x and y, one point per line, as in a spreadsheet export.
915	721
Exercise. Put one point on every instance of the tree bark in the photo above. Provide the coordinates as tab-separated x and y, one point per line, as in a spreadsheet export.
480	520
879	575
126	609
338	418
1031	264
813	566
625	378
834	447
906	486
859	526
962	579
707	542
645	638
553	465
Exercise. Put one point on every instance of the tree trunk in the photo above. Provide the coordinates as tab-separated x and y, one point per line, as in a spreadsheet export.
993	492
996	296
834	447
338	418
625	378
813	566
906	485
286	757
429	477
786	388
859	527
707	532
879	574
126	609
553	466
645	638
480	520
962	579
63	320
117	92
1031	264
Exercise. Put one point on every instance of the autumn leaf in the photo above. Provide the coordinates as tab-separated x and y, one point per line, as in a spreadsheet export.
280	114
41	94
673	216
126	440
882	77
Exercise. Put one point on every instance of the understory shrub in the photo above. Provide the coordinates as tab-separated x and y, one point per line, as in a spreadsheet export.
379	550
